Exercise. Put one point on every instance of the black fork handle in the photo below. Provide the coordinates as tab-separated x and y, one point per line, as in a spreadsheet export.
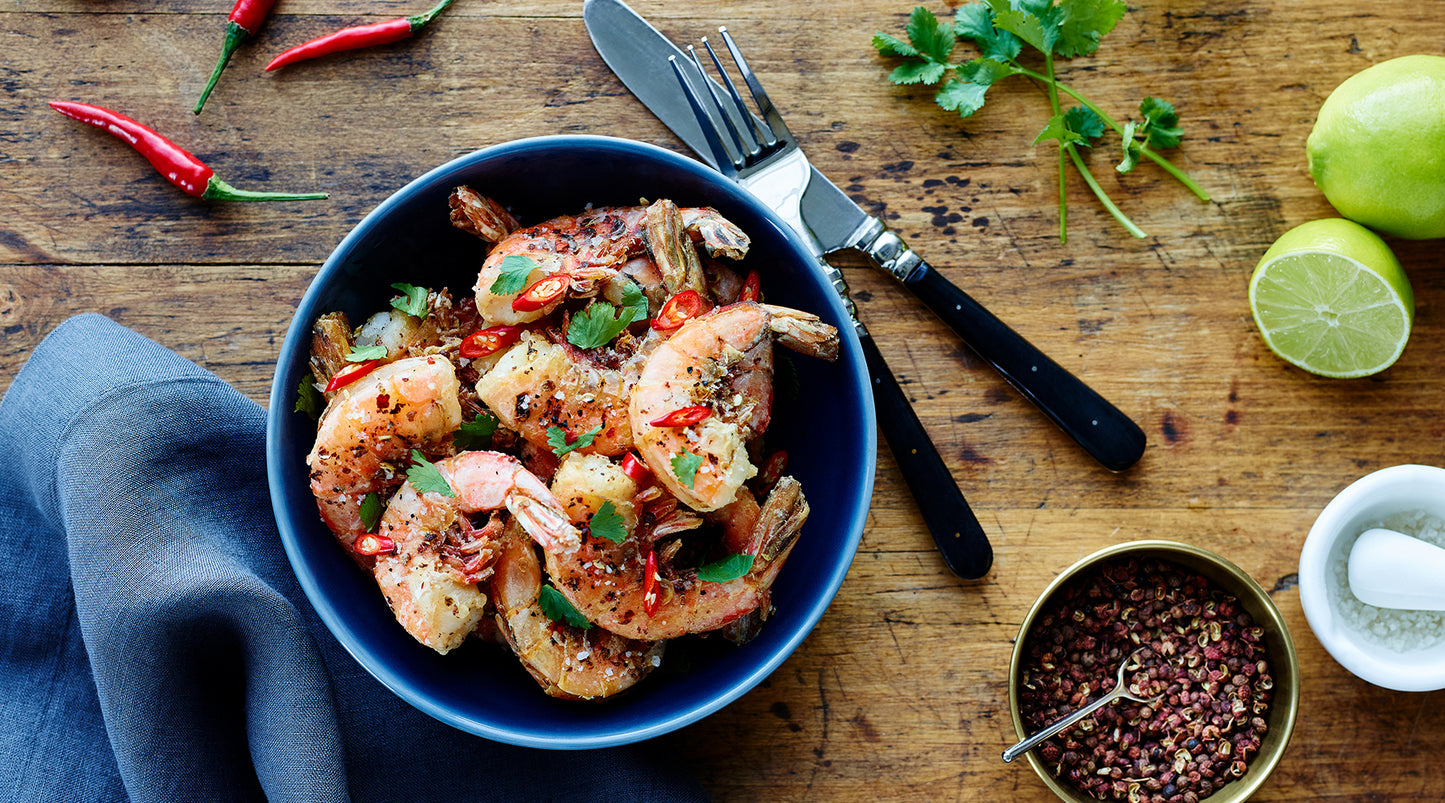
955	529
1105	432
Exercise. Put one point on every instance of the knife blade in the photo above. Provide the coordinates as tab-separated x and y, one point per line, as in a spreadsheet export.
633	48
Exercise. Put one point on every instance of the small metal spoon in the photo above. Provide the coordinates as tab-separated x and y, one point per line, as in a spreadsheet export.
1120	690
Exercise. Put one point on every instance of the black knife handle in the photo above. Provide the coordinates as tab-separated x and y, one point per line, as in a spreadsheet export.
1111	437
957	532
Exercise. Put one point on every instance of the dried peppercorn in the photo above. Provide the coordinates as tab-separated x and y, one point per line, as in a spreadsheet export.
246	18
174	162
379	33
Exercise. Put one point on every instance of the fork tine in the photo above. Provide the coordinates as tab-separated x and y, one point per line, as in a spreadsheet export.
737	98
720	153
775	122
749	150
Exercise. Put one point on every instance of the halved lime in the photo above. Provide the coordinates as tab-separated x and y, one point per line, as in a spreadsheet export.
1330	297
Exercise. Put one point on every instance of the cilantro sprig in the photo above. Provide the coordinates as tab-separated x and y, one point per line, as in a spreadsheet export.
477	433
412	300
999	30
557	608
426	477
608	523
729	568
600	322
558	439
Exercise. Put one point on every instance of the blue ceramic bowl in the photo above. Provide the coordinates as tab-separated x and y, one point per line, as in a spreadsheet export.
828	431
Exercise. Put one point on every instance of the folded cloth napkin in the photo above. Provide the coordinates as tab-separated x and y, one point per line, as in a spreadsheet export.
156	644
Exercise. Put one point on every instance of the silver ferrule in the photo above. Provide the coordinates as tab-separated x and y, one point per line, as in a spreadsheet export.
887	250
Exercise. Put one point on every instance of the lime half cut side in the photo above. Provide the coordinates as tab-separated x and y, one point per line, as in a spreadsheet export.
1330	297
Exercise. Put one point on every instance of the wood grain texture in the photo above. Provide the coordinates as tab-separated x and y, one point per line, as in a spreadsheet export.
900	691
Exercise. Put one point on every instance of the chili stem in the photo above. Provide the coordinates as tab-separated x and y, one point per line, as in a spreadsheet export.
218	190
235	35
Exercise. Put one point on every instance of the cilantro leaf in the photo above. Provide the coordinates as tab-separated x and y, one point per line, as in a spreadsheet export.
1039	30
917	72
893	46
1131	149
1084	122
965	93
729	568
371	511
557	608
975	22
557	439
476	434
1083	23
597	324
607	523
635	300
413	300
425	477
512	274
685	466
366	353
1058	129
308	399
933	39
1162	121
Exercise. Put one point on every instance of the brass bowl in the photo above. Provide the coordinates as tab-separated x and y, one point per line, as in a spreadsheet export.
1283	661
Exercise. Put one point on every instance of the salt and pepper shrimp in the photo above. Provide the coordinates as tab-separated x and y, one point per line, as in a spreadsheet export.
430	576
368	430
587	248
607	581
705	367
567	661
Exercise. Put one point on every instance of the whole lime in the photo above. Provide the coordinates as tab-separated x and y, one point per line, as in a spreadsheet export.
1377	150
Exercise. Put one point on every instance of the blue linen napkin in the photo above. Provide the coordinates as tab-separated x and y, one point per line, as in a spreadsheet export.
156	645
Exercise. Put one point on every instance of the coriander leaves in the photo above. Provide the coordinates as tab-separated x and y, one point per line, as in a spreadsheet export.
999	30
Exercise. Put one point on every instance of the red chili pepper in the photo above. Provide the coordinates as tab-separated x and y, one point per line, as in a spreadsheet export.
379	33
650	581
542	292
752	288
489	341
678	310
174	162
246	18
634	468
350	374
772	470
372	544
684	417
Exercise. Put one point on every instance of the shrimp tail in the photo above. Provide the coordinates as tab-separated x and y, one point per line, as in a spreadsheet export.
544	522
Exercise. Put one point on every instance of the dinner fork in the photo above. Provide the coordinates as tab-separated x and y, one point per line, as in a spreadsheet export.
766	159
761	154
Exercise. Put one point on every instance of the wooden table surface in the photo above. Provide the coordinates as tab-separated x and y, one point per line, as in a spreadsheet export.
900	692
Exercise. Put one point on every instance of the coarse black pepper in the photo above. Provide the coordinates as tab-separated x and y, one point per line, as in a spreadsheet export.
1199	652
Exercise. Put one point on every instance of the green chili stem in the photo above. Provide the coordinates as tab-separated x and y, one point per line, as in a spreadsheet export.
419	20
218	190
235	35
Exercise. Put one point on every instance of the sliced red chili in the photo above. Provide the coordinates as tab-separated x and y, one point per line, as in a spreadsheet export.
687	416
650	583
752	288
350	374
772	470
678	310
542	292
372	544
489	341
637	470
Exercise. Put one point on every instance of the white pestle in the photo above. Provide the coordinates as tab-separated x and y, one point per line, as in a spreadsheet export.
1393	570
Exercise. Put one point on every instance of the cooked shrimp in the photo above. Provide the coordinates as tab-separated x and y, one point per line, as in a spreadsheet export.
370	426
477	214
587	247
605	580
538	384
569	662
429	578
708	363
